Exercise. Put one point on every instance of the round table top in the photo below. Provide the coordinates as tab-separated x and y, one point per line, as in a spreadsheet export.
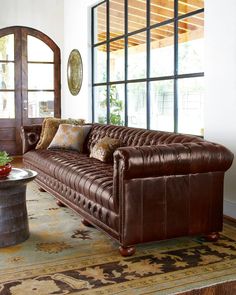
18	176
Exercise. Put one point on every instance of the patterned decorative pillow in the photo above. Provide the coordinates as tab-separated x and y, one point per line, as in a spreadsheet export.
103	150
70	137
49	129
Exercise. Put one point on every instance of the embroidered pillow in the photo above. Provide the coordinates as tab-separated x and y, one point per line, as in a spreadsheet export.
103	150
70	137
49	129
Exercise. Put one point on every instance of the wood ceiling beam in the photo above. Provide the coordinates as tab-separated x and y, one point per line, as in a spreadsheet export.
161	10
155	34
160	6
184	25
186	37
134	17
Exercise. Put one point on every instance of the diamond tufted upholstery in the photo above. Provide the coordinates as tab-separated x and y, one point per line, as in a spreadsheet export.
161	185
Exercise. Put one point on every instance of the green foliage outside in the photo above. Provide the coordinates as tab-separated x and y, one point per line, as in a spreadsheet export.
4	71
116	108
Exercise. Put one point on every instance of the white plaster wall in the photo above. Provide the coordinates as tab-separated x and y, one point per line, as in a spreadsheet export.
220	105
77	30
44	15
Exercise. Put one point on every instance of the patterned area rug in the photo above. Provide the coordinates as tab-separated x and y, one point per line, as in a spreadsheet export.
64	257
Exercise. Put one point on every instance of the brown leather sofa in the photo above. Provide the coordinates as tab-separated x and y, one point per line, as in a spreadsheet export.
161	185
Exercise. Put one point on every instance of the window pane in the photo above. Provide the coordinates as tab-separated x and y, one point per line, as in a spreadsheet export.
100	104
136	15
7	47
186	6
191	44
40	104
41	76
100	64
38	50
117	18
190	105
117	99
162	51
137	62
7	105
100	23
117	60
7	76
137	105
162	105
161	10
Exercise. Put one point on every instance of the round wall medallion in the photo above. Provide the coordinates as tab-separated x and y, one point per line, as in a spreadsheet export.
74	72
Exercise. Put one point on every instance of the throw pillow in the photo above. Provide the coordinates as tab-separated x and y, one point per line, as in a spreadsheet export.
103	150
49	129
70	137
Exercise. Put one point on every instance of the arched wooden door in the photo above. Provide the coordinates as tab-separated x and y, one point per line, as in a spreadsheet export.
29	82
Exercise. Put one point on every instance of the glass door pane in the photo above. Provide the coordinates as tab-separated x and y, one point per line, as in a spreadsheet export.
191	44
40	79
40	104
161	11
162	105
162	51
100	23
117	60
7	105
117	18
100	63
100	104
187	6
137	56
137	105
137	12
190	105
38	50
117	104
7	77
7	48
40	76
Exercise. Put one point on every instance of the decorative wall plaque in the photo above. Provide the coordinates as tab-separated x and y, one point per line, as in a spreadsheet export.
74	72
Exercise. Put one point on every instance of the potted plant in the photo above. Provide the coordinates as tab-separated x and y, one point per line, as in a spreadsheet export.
5	166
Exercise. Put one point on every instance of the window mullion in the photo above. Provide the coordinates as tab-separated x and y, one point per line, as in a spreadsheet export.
148	65
126	62
176	47
108	60
92	55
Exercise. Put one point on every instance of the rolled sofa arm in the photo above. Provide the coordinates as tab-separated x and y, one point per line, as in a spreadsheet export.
30	136
171	159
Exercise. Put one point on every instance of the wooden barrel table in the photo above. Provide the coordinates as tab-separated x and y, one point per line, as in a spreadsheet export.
14	226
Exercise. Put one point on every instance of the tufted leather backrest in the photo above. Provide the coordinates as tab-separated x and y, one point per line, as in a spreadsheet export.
137	137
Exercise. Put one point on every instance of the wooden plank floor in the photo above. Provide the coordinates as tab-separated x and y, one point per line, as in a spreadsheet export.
221	289
228	288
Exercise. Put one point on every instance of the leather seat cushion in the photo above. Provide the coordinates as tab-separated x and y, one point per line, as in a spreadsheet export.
87	176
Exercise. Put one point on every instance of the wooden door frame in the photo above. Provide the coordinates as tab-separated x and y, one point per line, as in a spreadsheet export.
21	77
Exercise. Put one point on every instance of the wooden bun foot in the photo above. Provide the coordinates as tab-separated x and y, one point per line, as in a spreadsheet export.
42	190
60	204
127	251
212	237
86	223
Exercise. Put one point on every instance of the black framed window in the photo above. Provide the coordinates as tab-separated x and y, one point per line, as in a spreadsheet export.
148	64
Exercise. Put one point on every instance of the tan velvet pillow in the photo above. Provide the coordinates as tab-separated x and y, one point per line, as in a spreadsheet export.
70	137
49	129
103	150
